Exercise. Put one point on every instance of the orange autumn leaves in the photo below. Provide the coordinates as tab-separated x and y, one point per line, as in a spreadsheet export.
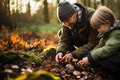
13	41
17	41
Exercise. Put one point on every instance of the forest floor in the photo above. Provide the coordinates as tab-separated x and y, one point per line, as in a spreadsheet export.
32	51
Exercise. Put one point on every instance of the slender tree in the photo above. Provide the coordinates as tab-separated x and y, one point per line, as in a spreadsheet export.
29	8
95	6
89	1
17	7
103	2
118	5
8	7
45	11
57	1
5	13
1	12
85	2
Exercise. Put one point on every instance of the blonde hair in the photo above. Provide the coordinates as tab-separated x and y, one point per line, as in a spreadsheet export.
101	15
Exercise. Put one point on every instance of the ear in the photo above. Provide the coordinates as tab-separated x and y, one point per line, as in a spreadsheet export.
108	23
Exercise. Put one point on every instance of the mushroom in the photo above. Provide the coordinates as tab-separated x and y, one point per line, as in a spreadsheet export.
70	67
76	73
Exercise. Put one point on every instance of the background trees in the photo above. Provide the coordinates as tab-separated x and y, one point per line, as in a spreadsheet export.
15	12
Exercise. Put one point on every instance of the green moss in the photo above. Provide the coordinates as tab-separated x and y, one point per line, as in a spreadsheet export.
50	51
11	56
39	75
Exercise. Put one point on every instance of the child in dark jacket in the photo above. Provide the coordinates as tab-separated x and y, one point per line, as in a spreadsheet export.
107	52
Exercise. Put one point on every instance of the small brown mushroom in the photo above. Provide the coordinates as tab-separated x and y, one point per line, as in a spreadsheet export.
9	71
70	67
15	67
78	77
84	73
76	73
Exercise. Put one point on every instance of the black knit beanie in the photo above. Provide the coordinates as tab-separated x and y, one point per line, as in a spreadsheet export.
64	11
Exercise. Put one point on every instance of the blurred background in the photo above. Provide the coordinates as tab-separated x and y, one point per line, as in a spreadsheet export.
40	15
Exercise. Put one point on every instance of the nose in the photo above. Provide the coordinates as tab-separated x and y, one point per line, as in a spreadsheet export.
99	30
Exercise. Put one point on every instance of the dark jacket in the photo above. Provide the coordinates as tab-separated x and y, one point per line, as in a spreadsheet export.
83	30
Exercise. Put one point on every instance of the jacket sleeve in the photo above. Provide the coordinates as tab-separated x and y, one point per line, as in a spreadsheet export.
87	47
92	39
64	40
100	44
110	48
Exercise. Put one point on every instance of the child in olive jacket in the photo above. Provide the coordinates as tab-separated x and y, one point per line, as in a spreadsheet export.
107	52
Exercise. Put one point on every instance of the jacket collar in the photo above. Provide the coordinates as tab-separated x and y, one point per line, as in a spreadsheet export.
82	12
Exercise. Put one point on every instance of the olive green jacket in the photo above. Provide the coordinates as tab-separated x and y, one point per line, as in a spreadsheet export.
109	44
85	33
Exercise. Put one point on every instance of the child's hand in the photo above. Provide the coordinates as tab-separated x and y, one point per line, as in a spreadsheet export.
84	62
67	57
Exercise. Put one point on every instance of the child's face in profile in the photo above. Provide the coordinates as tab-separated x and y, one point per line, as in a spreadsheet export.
104	27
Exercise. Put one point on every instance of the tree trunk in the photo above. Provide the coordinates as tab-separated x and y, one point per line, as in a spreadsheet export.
118	5
29	8
103	2
85	3
46	12
89	3
8	7
1	12
5	14
17	6
95	6
57	1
